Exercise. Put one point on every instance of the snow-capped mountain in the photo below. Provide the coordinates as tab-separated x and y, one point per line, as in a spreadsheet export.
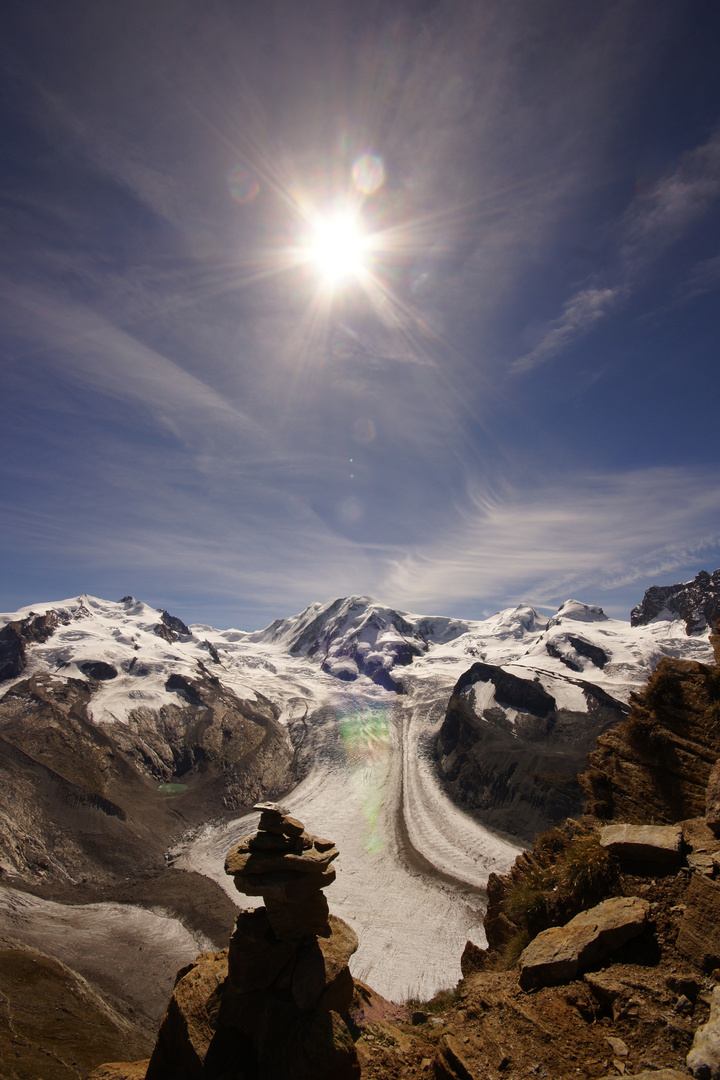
128	738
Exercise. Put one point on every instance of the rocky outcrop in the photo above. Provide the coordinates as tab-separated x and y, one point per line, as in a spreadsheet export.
699	936
557	955
712	799
656	764
510	753
16	635
53	1023
81	800
697	602
658	844
704	1057
275	1005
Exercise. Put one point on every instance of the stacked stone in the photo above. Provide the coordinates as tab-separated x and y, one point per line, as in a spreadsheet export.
289	987
287	867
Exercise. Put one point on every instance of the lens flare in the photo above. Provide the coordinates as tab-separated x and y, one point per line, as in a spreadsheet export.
366	737
243	184
368	173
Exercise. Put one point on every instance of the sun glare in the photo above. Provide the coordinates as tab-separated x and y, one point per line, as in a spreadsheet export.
338	249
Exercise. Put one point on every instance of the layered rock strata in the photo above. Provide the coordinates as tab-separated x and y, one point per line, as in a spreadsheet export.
656	764
274	1006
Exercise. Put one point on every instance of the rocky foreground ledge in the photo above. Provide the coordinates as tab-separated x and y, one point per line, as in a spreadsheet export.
603	942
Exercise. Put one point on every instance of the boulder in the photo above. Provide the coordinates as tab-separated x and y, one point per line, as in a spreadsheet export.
560	953
319	964
191	1019
712	799
121	1070
256	957
704	1056
652	1074
644	843
699	935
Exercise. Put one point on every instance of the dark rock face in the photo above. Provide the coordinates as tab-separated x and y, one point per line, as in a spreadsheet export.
98	670
173	623
656	765
593	653
15	635
519	775
697	602
79	799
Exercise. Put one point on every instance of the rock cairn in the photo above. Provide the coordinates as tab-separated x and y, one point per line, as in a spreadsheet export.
274	1005
289	987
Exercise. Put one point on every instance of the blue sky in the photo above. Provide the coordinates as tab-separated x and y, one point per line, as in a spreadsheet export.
514	398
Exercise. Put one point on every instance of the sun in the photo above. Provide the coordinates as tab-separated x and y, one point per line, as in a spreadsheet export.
338	249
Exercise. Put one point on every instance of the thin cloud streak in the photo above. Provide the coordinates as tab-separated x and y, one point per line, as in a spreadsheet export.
102	357
584	533
648	228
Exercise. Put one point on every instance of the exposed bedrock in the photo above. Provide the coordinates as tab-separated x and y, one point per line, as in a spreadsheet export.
509	751
697	602
655	766
14	637
81	800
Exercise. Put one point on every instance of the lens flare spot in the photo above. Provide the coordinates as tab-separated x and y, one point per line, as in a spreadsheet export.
368	173
243	184
366	738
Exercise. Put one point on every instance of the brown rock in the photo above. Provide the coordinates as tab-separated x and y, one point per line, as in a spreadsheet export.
712	799
320	962
643	843
190	1021
256	956
452	1063
558	954
699	936
121	1070
473	959
293	919
704	1056
283	885
330	1049
310	861
652	1074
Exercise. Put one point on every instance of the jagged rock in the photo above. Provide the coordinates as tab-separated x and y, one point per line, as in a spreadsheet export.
644	843
15	635
191	1019
473	959
712	799
697	602
287	867
699	936
318	966
652	1074
655	765
704	1056
508	750
452	1061
121	1070
558	954
256	957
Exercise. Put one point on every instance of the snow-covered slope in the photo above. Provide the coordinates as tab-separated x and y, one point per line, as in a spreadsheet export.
362	690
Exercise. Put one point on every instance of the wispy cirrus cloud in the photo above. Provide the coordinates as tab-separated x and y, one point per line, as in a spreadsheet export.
650	225
581	534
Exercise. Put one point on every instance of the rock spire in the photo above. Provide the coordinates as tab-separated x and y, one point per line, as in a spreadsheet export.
274	1006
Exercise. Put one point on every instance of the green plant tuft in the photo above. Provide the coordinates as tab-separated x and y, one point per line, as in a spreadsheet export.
514	949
